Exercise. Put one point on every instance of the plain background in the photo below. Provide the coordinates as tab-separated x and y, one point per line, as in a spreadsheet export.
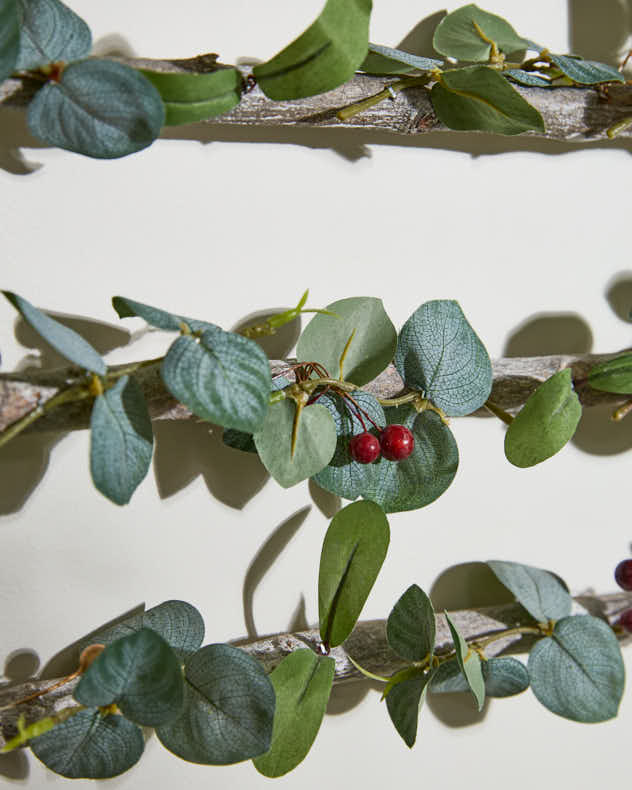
530	237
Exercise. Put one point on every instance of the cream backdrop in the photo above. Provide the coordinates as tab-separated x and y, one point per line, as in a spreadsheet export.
232	224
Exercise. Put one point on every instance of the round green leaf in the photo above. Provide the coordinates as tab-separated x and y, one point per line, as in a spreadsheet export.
587	72
121	440
50	32
98	108
479	98
456	35
578	672
410	628
128	308
64	340
222	377
139	672
541	593
403	703
615	375
90	746
326	55
343	475
469	663
425	474
545	423
353	552
9	37
439	352
371	349
228	711
503	677
315	443
302	684
385	60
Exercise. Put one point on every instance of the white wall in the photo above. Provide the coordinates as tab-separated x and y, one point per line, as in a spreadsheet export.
219	230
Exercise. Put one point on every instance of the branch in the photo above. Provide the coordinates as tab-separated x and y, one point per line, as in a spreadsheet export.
570	114
367	645
515	378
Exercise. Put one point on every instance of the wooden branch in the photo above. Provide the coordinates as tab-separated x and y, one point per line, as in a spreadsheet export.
515	378
367	645
570	114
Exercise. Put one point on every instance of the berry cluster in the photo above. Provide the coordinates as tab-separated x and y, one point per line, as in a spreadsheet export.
396	443
623	577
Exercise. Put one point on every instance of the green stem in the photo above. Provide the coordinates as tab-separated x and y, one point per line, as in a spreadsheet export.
498	412
353	109
481	644
113	375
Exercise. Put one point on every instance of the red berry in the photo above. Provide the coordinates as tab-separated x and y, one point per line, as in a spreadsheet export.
364	448
625	621
623	574
397	442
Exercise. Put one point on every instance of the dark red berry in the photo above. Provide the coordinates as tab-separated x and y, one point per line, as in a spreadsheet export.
364	448
625	621
623	574
397	442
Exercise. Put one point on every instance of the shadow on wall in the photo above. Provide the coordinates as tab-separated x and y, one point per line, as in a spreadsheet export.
600	31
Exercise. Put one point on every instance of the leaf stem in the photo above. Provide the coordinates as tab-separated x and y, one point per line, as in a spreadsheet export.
498	412
481	644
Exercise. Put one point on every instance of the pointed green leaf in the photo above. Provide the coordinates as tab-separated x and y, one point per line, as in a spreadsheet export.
456	35
425	474
587	72
541	594
403	702
128	308
578	672
353	552
615	375
50	32
527	78
141	674
190	97
371	349
315	444
220	376
90	746
121	440
469	663
64	340
503	677
98	108
326	55
177	622
545	423
302	684
9	37
385	60
343	475
439	352
410	628
479	98
228	710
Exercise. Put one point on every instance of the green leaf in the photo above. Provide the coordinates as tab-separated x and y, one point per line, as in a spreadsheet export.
456	35
541	594
177	622
9	37
228	711
121	440
240	440
410	628
90	746
385	60
545	423
615	375
315	444
139	672
439	352
353	552
128	308
371	349
64	340
343	475
425	474
587	72
527	78
222	377
578	672
403	703
326	55
190	97
469	663
503	677
479	98
98	108
50	32
302	684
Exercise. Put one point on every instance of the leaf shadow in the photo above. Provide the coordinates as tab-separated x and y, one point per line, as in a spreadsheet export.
599	31
619	295
23	464
278	345
14	766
